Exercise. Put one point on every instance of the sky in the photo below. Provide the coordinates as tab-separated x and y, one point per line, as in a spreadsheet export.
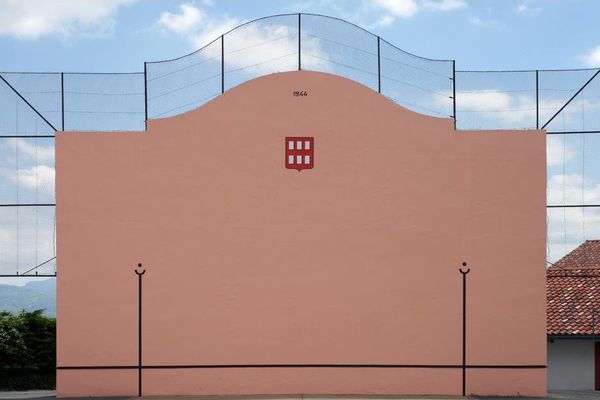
120	35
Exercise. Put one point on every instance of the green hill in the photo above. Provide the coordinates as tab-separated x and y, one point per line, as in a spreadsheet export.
32	296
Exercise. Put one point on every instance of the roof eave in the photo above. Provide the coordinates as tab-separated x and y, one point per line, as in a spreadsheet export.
573	337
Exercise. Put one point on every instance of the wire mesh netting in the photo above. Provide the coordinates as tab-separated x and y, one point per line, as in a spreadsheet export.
180	85
19	118
27	179
556	88
42	90
419	84
27	170
272	45
573	181
33	105
495	100
28	240
260	48
104	102
339	48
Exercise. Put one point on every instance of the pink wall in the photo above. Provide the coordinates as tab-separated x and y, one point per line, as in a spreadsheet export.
352	262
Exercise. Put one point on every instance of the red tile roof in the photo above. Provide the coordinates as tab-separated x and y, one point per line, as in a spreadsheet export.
573	292
587	255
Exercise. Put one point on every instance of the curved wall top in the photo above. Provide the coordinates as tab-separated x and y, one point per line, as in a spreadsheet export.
293	42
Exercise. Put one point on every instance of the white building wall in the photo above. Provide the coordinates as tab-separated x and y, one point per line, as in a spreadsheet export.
571	365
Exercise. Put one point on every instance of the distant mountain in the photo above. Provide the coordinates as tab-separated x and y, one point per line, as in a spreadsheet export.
34	295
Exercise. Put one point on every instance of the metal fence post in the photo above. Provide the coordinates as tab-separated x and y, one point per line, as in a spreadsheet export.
537	100
222	64
464	326
62	100
145	97
378	64
299	42
454	92
139	272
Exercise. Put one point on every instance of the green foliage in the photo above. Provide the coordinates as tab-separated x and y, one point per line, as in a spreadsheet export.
27	350
15	381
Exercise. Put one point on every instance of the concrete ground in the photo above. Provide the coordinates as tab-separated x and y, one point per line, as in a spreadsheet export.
30	394
572	394
558	395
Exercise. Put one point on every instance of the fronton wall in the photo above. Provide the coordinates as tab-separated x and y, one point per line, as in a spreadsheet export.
340	279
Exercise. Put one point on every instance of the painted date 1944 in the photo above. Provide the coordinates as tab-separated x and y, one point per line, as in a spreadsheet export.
300	93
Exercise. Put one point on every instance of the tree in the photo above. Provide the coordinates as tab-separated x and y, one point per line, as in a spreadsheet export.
27	350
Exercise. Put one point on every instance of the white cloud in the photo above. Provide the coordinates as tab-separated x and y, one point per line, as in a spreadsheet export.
475	20
398	8
485	100
262	47
384	21
195	25
212	29
186	21
592	58
36	168
485	23
405	9
569	227
494	108
513	108
526	8
40	176
27	152
558	151
29	245
570	189
445	5
33	19
35	224
27	147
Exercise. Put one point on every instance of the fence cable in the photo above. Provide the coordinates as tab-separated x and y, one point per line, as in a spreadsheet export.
564	181
17	173
583	166
37	186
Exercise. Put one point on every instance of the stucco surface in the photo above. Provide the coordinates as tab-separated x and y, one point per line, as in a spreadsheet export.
352	262
571	365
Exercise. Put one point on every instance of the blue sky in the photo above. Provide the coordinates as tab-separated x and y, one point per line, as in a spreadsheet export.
119	35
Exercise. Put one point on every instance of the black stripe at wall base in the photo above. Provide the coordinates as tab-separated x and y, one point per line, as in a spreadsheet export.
234	366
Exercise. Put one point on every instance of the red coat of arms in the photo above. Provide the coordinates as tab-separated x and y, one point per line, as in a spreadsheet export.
299	152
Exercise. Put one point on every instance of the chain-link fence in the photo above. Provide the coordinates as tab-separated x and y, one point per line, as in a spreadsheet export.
35	105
